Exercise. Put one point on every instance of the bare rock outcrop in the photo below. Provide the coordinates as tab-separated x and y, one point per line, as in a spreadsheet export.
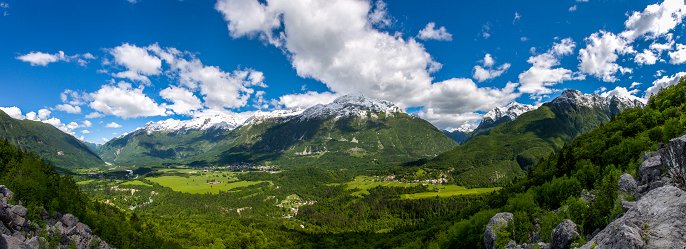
564	234
498	222
656	221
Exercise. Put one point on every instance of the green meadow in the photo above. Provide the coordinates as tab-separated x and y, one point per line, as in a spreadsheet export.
200	184
362	185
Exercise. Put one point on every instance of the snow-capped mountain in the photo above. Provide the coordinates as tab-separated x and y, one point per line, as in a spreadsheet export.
350	105
215	121
612	100
260	116
511	111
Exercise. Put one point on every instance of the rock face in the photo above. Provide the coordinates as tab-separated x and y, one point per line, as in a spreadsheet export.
564	234
19	232
627	184
674	159
498	222
656	221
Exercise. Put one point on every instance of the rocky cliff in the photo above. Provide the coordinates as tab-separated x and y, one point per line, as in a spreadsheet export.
57	231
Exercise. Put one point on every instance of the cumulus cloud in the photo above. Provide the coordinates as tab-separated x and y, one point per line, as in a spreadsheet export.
219	89
185	102
487	71
113	125
634	85
663	82
94	115
647	57
544	72
69	108
355	58
599	57
678	56
138	62
124	101
305	100
655	20
13	112
43	59
431	33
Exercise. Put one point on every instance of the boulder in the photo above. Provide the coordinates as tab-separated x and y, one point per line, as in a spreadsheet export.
497	223
12	242
564	234
656	221
33	243
651	169
5	192
627	184
69	220
83	229
19	210
674	159
18	221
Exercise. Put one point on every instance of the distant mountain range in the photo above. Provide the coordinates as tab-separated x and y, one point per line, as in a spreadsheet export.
352	130
501	150
61	149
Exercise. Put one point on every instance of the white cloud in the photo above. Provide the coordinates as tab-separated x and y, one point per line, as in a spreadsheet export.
184	101
13	112
354	58
44	114
517	17
543	73
634	85
43	59
460	96
678	56
655	20
379	16
218	88
113	125
572	8
305	100
449	121
137	61
599	58
87	123
124	101
647	57
85	132
95	115
488	72
663	82
431	33
69	108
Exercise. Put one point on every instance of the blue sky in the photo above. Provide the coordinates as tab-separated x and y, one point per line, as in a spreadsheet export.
126	63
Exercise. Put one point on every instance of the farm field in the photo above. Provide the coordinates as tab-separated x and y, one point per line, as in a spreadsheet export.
364	183
201	184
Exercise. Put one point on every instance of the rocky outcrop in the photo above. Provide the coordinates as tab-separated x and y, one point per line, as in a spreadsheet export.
656	221
627	184
674	159
564	234
19	232
498	222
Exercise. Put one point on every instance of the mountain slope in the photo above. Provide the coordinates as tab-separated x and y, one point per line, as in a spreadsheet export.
512	147
59	148
351	131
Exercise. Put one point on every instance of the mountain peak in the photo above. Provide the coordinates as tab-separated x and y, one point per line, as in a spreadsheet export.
608	99
351	105
213	121
511	111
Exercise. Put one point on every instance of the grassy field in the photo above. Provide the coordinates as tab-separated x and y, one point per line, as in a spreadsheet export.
449	190
135	183
84	182
198	184
364	183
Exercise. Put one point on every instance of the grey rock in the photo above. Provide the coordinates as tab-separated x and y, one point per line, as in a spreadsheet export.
651	169
543	245
19	210
627	184
5	215
564	234
4	229
83	229
33	243
674	159
627	205
18	221
498	222
657	221
69	220
5	192
12	242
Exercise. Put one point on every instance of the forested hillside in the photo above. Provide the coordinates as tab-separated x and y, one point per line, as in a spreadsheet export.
61	149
